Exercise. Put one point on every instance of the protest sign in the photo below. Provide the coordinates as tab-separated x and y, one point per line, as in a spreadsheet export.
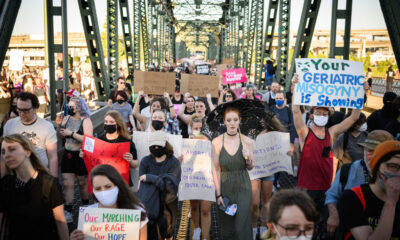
329	82
203	69
100	152
16	59
270	155
155	82
228	61
109	223
221	67
196	180
236	75
200	85
141	140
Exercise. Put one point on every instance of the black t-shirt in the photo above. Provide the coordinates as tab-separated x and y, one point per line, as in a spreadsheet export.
352	214
29	213
182	125
143	104
177	102
393	127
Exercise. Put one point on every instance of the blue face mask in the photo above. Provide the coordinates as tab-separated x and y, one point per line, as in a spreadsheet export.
279	103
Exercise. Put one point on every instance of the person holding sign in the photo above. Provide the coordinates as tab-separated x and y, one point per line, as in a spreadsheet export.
232	155
31	204
160	173
111	191
317	168
72	128
117	132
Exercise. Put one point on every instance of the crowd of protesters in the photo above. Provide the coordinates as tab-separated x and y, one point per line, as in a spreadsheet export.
347	165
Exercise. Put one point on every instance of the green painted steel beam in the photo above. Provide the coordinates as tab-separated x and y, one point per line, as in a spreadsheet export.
283	42
390	9
112	40
341	14
127	33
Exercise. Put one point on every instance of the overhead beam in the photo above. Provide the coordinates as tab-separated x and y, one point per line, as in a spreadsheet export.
390	10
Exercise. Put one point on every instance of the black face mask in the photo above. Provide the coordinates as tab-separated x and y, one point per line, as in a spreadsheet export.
157	125
120	101
110	128
70	111
157	152
13	108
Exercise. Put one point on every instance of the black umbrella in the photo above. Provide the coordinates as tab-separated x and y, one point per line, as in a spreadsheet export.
254	117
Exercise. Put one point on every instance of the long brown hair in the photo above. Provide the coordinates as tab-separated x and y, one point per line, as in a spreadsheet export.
121	127
126	199
27	146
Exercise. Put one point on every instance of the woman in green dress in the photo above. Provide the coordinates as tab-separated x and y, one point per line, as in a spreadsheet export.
232	155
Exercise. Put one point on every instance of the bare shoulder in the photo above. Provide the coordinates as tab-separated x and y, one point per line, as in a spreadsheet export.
247	140
217	142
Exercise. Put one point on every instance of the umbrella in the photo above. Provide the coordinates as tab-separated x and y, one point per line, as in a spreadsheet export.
254	117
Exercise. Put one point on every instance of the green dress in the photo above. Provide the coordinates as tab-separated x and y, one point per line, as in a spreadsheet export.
235	184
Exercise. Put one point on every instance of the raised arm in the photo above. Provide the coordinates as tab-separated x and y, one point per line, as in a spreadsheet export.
181	114
299	123
136	110
209	101
170	106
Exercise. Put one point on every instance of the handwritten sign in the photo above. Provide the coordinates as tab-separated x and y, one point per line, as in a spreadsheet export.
219	68
141	140
236	75
203	69
330	83
100	152
109	223
270	155
16	59
197	180
200	85
154	82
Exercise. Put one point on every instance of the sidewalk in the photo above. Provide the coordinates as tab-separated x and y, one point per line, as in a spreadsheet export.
373	103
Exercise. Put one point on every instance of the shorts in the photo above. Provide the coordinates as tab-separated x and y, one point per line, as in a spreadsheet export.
72	163
268	178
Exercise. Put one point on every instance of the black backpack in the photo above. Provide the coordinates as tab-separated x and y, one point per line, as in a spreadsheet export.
271	70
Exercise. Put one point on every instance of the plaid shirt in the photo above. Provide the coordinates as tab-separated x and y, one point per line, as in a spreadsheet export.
172	126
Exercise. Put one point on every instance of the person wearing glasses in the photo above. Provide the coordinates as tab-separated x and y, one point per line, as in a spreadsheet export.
372	211
120	87
291	215
226	95
39	131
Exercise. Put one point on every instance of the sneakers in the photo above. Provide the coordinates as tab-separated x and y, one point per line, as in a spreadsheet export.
68	216
255	230
196	234
263	229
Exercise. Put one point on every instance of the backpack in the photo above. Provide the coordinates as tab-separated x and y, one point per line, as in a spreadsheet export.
271	69
344	174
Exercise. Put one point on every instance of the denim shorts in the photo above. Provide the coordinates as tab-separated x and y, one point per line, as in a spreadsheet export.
268	178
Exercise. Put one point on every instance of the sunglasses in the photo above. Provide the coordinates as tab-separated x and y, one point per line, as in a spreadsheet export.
228	96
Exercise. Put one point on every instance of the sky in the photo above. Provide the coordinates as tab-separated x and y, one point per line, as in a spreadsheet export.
366	15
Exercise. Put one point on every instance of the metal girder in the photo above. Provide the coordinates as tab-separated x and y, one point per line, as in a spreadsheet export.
136	33
241	33
127	33
96	56
153	30
258	50
245	33
8	14
283	41
305	33
338	14
390	10
251	28
112	39
144	32
50	11
269	33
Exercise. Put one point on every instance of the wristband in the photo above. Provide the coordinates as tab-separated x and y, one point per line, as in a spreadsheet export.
72	134
170	106
219	196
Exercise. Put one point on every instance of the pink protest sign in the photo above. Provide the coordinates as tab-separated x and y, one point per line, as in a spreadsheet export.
236	75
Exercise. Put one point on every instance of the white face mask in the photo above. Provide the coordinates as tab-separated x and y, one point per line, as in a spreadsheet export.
301	237
107	198
320	121
363	127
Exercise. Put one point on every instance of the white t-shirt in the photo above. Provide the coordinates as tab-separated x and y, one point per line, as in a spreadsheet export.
41	133
142	223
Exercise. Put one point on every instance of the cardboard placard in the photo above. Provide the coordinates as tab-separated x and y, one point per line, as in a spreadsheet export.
270	155
228	61
155	82
237	75
100	152
221	67
330	83
200	85
197	178
109	223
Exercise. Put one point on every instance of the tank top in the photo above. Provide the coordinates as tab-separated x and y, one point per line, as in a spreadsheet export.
315	170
